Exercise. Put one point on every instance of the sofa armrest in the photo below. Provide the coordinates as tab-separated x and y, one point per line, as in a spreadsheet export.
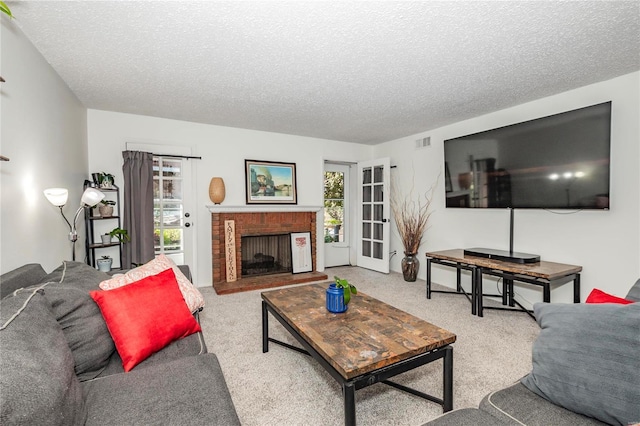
634	292
24	276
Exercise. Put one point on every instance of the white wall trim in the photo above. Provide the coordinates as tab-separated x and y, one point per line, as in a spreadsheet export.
261	209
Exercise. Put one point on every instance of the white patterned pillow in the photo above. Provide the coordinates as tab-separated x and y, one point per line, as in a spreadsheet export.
161	263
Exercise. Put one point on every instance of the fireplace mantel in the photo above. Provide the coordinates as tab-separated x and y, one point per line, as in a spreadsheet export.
262	208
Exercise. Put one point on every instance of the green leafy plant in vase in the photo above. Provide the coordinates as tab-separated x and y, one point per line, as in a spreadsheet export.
347	288
338	295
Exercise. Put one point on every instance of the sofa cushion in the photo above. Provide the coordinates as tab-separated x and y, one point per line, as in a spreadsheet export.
37	381
518	402
586	359
191	295
186	391
599	296
187	346
83	326
77	274
145	316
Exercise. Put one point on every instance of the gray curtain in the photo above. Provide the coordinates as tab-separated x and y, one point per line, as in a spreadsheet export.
138	207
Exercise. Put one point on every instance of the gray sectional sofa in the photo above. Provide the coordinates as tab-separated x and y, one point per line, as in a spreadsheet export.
586	371
59	365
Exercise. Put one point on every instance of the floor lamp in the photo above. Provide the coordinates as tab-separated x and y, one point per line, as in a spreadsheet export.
58	197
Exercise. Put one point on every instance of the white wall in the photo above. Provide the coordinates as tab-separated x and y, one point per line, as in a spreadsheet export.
223	151
44	131
605	243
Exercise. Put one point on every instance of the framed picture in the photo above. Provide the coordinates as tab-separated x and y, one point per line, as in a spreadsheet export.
268	182
301	252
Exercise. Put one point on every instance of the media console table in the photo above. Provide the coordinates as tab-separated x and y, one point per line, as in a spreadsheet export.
544	274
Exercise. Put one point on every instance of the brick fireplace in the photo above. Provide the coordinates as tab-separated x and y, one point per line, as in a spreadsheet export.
254	223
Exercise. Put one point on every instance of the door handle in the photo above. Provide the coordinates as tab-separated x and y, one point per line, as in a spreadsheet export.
384	220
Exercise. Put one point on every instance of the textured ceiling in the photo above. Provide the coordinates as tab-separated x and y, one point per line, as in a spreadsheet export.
365	72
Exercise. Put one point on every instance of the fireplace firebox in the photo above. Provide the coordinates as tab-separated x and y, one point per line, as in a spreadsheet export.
265	254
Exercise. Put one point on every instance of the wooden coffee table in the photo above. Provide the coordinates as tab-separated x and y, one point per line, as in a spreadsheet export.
370	343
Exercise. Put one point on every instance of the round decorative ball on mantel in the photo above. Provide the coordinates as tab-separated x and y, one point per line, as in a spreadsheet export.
216	190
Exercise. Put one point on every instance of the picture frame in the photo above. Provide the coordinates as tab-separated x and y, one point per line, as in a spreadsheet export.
301	260
270	182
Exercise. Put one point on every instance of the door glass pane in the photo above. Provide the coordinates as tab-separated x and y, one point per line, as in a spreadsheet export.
366	248
171	241
377	212
378	193
377	250
378	175
172	214
366	212
377	231
172	189
366	176
366	230
172	168
366	194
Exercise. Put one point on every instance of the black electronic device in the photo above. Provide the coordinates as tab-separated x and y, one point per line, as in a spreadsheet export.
504	255
561	161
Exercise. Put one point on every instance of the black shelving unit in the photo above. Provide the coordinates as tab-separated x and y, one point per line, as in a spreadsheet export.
97	225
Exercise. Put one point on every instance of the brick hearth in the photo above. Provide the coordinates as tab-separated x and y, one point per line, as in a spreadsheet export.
259	223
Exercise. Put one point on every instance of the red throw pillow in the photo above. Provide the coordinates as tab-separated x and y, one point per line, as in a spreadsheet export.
599	296
145	316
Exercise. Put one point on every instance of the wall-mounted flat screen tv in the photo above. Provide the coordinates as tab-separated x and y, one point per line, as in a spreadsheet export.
555	162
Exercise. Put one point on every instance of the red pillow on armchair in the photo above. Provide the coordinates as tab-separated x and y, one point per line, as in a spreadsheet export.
599	296
145	316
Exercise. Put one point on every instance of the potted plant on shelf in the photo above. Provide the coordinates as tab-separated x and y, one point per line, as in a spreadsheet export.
106	208
339	295
122	235
106	180
411	217
104	263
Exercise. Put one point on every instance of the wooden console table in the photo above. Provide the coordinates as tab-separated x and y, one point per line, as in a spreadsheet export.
544	274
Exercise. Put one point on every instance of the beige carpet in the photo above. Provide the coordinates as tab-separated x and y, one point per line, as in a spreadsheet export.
283	387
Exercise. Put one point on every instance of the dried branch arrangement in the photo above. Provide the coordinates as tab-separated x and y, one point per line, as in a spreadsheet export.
411	217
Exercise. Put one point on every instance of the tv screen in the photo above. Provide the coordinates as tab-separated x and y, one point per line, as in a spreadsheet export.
555	162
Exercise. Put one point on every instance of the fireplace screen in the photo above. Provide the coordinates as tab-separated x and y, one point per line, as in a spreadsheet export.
266	254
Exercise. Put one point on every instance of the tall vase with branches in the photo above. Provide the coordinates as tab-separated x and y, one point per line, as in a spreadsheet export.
411	214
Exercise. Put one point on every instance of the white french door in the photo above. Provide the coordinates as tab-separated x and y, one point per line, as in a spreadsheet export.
374	214
172	216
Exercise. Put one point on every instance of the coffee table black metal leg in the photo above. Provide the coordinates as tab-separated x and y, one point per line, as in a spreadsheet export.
458	280
447	396
479	291
349	393
428	278
265	328
474	291
576	289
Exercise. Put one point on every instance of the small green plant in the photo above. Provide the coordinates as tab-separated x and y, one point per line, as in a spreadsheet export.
108	202
348	289
106	179
121	234
5	9
106	257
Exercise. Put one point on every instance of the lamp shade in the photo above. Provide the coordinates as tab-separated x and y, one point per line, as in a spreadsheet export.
57	196
92	196
216	190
